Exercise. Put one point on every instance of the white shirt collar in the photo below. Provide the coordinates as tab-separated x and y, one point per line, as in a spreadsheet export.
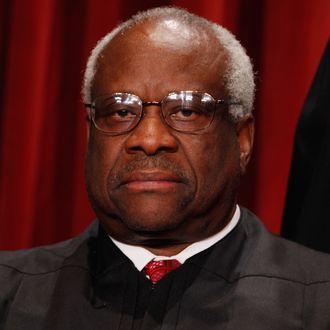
141	256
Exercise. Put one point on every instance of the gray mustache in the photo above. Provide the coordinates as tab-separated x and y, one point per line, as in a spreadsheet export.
148	163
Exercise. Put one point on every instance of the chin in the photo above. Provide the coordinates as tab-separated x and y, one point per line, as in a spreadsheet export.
151	221
151	212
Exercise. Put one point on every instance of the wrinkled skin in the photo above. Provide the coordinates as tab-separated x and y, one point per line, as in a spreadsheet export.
202	170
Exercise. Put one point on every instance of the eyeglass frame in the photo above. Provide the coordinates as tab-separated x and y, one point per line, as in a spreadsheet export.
91	114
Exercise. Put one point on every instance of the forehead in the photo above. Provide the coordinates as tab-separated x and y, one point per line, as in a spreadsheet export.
158	57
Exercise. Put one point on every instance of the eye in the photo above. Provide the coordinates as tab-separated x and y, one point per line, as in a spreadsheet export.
185	114
122	113
118	113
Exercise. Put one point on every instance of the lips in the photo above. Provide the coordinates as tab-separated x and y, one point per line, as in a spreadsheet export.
142	180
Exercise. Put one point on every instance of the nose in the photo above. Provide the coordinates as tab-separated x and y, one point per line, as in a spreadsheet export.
152	135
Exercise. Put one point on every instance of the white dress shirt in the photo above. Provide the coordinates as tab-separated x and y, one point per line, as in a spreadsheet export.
141	256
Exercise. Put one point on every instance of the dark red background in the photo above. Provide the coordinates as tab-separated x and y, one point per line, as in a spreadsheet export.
44	47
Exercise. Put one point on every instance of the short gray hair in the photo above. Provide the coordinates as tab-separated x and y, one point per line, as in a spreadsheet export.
239	76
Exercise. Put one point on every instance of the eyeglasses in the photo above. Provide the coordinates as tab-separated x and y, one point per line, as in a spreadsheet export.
184	111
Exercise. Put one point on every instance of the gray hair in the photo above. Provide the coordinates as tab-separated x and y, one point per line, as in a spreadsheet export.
239	76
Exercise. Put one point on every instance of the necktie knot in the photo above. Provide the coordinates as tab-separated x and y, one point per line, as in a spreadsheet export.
157	269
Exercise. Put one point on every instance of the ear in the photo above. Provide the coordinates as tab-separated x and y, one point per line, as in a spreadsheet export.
88	128
245	135
88	124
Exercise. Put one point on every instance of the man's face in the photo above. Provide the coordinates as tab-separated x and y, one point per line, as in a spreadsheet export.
154	185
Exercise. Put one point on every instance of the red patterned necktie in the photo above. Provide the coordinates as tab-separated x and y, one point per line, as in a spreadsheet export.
156	270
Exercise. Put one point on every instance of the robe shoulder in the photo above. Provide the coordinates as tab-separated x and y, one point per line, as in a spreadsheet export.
274	256
44	259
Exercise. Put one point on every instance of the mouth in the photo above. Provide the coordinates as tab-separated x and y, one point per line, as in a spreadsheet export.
150	180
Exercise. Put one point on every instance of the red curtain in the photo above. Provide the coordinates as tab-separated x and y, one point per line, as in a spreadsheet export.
44	47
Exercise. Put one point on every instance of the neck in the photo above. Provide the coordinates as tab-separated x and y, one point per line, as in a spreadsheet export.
167	251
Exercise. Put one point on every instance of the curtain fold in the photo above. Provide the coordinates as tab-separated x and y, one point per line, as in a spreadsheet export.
44	46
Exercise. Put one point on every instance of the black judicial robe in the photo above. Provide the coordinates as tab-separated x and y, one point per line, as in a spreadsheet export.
249	280
305	218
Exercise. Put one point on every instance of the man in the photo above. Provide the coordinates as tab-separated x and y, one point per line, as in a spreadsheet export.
169	98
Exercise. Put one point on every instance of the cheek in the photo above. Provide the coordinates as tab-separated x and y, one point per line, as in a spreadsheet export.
101	158
214	159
